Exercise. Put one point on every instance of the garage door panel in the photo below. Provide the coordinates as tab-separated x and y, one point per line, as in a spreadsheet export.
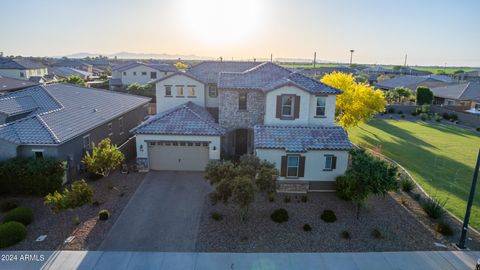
178	158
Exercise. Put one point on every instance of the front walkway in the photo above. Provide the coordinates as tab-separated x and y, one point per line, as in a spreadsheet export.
66	260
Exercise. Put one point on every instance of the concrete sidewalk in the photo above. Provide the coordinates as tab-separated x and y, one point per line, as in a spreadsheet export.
100	260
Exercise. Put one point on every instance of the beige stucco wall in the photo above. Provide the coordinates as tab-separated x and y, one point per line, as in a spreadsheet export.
129	78
165	103
15	73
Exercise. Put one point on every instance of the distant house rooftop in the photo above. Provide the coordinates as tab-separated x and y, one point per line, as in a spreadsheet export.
19	63
461	91
10	84
208	71
405	81
162	67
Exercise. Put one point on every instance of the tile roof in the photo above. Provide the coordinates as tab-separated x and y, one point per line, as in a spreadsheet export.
64	112
208	71
409	80
163	67
185	119
269	76
460	91
300	138
10	84
19	63
69	71
16	105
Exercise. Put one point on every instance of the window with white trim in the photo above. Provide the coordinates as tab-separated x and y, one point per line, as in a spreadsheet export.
38	153
212	91
144	73
242	101
179	90
320	106
168	90
330	162
287	105
191	91
153	75
293	163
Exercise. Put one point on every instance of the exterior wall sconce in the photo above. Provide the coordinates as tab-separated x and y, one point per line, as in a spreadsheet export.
141	147
214	148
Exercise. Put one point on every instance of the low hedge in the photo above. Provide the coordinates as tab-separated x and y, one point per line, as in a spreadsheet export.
23	215
279	215
30	176
11	233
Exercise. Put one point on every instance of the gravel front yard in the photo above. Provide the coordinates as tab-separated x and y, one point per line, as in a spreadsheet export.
111	193
403	226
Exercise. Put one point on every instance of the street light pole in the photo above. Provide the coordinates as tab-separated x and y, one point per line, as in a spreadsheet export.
351	56
461	243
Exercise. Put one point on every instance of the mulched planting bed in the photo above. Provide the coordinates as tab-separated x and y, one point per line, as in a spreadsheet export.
112	193
401	227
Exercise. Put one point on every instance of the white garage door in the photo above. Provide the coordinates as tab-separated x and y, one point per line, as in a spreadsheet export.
178	156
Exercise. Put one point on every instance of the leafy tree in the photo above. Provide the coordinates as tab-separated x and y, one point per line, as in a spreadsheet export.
147	90
358	102
424	95
402	93
181	66
243	194
75	79
103	77
392	96
367	176
458	71
104	158
440	72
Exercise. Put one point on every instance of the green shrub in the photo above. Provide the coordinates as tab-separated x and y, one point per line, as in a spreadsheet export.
478	129
279	215
437	117
417	196
345	235
11	233
7	206
424	95
424	116
406	184
414	113
328	216
343	188
80	194
216	216
271	197
400	112
76	220
434	207
307	227
444	229
30	176
376	234
103	214
391	110
23	215
453	117
402	116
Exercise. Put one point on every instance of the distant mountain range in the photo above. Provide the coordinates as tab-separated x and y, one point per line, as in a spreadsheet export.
131	55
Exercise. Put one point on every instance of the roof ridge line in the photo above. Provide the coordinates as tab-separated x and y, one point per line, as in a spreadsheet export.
54	136
464	89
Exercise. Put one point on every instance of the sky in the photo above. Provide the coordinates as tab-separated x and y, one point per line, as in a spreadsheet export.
431	32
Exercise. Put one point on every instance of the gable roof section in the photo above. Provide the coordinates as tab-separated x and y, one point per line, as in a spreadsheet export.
66	111
158	66
269	76
300	138
208	71
69	71
10	84
405	81
185	119
180	73
461	91
19	63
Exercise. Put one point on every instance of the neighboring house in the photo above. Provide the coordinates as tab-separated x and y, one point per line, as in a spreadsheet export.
412	82
65	72
139	72
45	79
73	63
264	109
462	94
63	120
473	76
10	84
321	71
21	69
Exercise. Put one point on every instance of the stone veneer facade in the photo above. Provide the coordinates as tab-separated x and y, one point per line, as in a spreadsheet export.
230	117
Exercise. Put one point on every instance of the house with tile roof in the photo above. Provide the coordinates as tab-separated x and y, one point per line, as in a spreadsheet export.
218	109
465	94
21	68
139	72
412	82
63	120
8	84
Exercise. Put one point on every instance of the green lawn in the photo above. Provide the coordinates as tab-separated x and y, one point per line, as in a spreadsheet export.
440	157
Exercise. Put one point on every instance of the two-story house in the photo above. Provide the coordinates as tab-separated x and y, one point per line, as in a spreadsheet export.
258	108
139	72
21	68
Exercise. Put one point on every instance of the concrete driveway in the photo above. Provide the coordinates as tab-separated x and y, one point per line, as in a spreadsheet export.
163	214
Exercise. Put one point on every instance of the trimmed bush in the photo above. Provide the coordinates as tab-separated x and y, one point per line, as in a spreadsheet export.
343	187
30	176
280	215
444	229
307	227
406	184
434	208
391	110
7	206
216	216
20	214
400	112
478	129
11	233
424	116
424	95
437	118
345	235
103	214
328	216
402	116
80	194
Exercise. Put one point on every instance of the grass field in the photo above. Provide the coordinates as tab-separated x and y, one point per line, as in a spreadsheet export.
440	157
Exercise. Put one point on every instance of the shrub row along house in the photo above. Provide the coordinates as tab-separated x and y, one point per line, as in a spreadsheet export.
63	120
226	109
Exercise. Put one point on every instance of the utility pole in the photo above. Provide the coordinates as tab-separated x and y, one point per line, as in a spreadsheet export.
314	59
461	243
271	57
405	63
351	56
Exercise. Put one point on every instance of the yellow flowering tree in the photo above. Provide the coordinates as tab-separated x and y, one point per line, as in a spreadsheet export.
181	66
358	102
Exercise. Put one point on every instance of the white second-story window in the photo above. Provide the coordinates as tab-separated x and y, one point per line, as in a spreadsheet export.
320	106
153	75
212	91
287	106
191	91
168	90
179	90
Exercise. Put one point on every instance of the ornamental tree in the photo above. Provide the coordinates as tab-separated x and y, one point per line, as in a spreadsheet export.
75	79
424	95
358	102
104	158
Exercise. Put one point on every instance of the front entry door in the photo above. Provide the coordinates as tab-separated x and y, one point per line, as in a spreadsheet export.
241	141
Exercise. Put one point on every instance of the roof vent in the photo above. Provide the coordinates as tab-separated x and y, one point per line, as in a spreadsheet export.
95	110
